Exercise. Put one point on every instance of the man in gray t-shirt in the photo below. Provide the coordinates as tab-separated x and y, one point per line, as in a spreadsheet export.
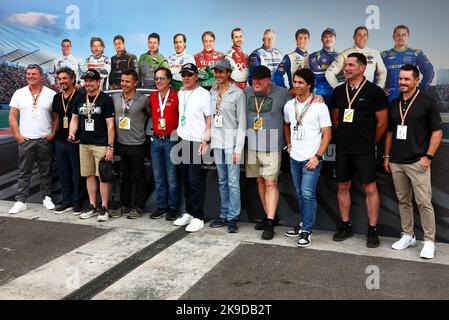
131	109
264	113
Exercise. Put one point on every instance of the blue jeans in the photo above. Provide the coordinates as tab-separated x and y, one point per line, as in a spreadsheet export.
305	184
68	164
165	174
229	183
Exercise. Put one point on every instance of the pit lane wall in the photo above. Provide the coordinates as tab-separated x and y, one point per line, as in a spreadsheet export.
31	32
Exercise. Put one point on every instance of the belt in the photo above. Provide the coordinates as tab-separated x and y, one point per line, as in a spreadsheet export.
161	137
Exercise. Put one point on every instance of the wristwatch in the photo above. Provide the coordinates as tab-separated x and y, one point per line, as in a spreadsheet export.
319	157
110	147
207	141
429	156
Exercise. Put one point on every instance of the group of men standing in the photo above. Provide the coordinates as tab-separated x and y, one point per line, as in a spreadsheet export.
204	101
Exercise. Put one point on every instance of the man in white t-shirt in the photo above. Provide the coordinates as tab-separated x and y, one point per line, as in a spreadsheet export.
34	135
194	130
307	130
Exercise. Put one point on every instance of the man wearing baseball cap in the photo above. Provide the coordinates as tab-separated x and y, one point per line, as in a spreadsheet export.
94	114
265	119
194	131
228	138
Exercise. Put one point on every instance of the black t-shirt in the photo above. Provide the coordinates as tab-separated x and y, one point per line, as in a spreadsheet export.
359	136
100	111
422	119
57	107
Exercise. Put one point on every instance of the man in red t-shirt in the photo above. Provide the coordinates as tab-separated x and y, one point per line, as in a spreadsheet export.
165	114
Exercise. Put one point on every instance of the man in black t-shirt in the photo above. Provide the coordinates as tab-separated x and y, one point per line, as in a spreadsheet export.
66	153
413	137
360	116
94	114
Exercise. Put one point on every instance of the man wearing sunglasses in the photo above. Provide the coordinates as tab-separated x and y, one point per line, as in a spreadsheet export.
194	131
34	133
164	114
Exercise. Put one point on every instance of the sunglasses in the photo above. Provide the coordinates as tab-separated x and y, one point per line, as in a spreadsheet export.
35	66
160	78
186	74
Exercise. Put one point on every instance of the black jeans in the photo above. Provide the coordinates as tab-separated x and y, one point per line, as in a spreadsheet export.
132	175
68	163
192	177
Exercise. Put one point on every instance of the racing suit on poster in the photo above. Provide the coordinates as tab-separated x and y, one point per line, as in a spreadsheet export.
291	62
70	61
175	63
205	61
262	56
319	62
120	63
239	62
103	65
394	59
148	63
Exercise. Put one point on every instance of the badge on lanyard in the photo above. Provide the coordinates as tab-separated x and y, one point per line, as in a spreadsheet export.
65	122
298	132
89	125
124	123
218	120
401	133
35	114
348	115
161	125
258	123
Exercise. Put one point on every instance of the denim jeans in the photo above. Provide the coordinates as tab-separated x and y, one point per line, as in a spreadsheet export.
68	163
229	183
305	184
166	174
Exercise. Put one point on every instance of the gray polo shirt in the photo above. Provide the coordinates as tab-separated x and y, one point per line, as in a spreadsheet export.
271	137
233	111
137	112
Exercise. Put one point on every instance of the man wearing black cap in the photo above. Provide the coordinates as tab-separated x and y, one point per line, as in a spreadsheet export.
94	114
265	119
194	131
228	138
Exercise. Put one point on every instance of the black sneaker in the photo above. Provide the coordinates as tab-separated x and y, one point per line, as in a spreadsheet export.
77	210
305	238
342	234
217	223
103	215
172	214
63	207
159	213
232	226
372	238
261	225
293	232
268	231
135	213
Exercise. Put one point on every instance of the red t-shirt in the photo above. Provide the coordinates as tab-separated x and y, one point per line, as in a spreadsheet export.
171	112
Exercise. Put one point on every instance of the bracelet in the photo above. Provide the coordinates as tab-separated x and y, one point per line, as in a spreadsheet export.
386	156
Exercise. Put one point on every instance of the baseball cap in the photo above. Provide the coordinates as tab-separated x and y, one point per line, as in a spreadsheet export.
328	31
91	74
223	64
189	67
261	72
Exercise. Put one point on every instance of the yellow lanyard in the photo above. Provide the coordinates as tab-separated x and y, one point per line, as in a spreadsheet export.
89	105
408	108
65	107
36	99
259	108
350	102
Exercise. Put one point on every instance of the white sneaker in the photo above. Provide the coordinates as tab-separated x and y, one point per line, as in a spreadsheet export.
184	220
195	225
428	250
89	212
48	204
405	242
17	207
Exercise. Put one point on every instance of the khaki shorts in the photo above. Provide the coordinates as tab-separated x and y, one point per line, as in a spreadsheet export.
263	164
90	157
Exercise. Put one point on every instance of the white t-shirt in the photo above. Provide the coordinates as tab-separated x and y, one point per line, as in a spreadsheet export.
197	107
316	117
38	123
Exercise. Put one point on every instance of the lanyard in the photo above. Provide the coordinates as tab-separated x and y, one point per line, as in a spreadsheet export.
408	108
163	103
64	106
259	108
350	102
185	103
89	105
36	99
126	105
300	116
